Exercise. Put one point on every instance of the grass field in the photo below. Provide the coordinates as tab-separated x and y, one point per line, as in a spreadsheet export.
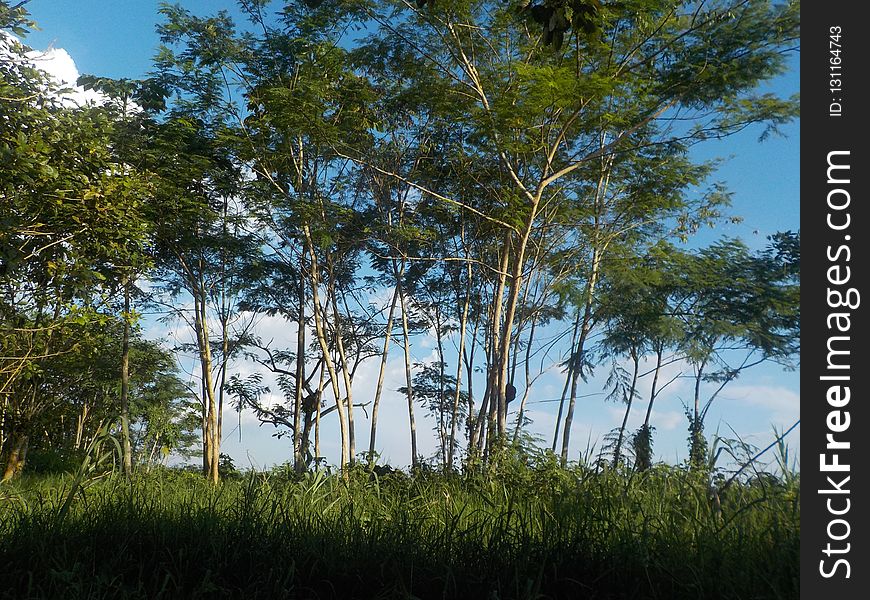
525	532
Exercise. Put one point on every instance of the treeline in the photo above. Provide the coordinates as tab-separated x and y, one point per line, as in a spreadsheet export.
369	171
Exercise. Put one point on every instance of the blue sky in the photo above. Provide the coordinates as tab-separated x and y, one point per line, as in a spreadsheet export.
117	39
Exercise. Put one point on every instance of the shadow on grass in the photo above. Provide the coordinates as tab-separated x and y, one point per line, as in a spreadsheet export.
539	534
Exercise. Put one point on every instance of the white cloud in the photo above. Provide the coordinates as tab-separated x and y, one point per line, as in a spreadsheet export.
58	64
783	404
666	420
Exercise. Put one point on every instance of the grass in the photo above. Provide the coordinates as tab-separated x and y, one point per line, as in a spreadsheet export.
525	533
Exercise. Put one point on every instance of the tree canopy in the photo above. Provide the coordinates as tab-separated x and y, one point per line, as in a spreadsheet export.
513	182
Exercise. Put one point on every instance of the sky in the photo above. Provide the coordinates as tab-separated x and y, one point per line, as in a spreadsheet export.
117	39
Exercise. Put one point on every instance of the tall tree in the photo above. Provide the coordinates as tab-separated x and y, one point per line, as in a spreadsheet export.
545	109
72	214
743	310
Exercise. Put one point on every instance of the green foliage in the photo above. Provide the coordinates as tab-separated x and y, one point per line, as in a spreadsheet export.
527	160
558	17
14	18
550	533
642	446
71	233
698	448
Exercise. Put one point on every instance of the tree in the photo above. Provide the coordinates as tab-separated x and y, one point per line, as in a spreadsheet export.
163	412
436	391
742	310
543	119
124	101
637	321
72	213
542	158
300	94
202	249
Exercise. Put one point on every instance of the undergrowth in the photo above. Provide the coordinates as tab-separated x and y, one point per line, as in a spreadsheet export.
525	533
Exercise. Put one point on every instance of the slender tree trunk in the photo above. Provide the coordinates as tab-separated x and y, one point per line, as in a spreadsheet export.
628	402
653	389
225	349
490	403
125	384
345	366
4	415
697	403
442	406
585	327
17	456
483	424
305	438
568	377
468	360
80	424
569	415
408	377
454	413
225	338
381	373
527	386
298	458
206	436
214	441
516	286
498	359
474	438
208	431
643	437
324	348
153	451
320	385
697	445
599	246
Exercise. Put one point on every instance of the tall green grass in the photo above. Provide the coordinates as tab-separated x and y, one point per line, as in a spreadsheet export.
525	533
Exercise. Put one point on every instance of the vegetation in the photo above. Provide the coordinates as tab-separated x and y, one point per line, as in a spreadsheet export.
533	531
512	182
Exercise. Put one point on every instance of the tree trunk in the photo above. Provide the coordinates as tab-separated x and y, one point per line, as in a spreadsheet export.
298	458
483	425
497	367
125	384
454	414
381	373
442	425
212	442
568	376
320	385
629	400
699	376
697	443
206	438
408	378
80	425
516	286
324	349
643	437
527	386
225	349
585	327
151	454
653	389
468	361
17	456
345	366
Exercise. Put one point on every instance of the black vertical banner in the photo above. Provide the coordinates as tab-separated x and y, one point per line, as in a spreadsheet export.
835	420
